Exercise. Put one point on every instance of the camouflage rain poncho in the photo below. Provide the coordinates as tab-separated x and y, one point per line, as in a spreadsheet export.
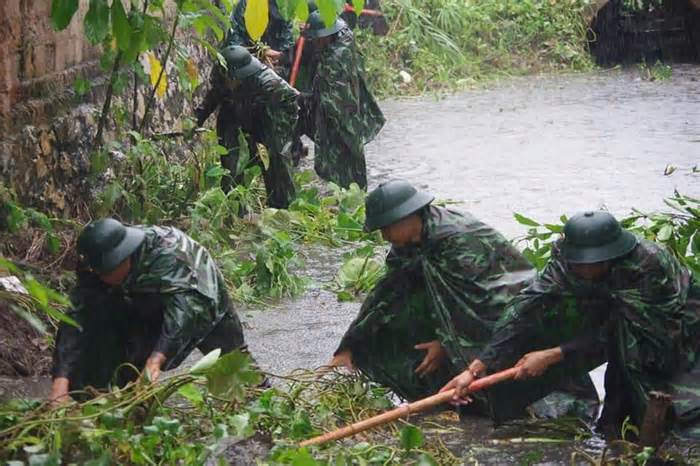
345	113
453	287
173	300
644	319
264	107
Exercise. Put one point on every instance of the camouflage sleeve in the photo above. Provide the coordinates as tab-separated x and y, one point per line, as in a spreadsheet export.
213	97
68	338
186	316
66	354
519	330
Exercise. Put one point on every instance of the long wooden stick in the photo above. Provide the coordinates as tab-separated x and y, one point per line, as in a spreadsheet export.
406	410
299	49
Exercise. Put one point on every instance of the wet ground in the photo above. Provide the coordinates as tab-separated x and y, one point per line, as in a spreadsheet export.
541	146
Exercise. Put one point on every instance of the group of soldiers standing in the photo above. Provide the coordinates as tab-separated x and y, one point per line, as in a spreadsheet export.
458	300
331	103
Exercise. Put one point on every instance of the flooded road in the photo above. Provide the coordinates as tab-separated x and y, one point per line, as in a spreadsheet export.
541	146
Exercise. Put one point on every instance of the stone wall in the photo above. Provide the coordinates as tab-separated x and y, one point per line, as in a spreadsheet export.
47	130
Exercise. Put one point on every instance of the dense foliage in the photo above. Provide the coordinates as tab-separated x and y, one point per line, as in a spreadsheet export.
448	44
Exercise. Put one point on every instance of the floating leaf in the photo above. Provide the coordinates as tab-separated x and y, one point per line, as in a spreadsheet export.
256	17
62	12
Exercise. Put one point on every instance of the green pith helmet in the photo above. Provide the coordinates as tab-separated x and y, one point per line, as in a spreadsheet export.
392	201
240	62
106	243
592	237
316	28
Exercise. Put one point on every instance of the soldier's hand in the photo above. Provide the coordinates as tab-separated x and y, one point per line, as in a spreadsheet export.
536	363
153	365
343	359
59	391
273	56
433	358
461	385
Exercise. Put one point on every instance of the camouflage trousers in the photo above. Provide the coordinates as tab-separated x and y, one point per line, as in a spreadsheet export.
340	163
277	177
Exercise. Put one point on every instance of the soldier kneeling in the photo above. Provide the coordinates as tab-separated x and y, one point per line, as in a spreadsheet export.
145	298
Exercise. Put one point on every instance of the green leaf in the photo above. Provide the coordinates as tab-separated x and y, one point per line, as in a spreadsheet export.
523	220
81	86
256	18
426	460
62	12
120	26
287	8
328	10
665	233
207	361
241	424
302	457
97	21
411	438
191	392
45	460
358	5
228	376
243	153
302	11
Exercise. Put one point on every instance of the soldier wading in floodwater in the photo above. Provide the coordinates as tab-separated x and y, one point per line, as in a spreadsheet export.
344	113
449	277
605	295
252	99
146	296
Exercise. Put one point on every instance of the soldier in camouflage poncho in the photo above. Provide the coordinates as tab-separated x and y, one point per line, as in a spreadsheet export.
604	296
345	114
146	296
449	278
278	36
256	102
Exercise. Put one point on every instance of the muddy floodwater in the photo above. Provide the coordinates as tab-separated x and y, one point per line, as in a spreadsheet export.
541	146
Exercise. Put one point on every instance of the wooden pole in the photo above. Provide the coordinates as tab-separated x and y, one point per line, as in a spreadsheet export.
406	410
297	60
364	12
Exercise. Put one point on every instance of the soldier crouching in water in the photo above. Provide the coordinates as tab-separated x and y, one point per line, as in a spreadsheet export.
252	99
449	277
605	295
146	296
